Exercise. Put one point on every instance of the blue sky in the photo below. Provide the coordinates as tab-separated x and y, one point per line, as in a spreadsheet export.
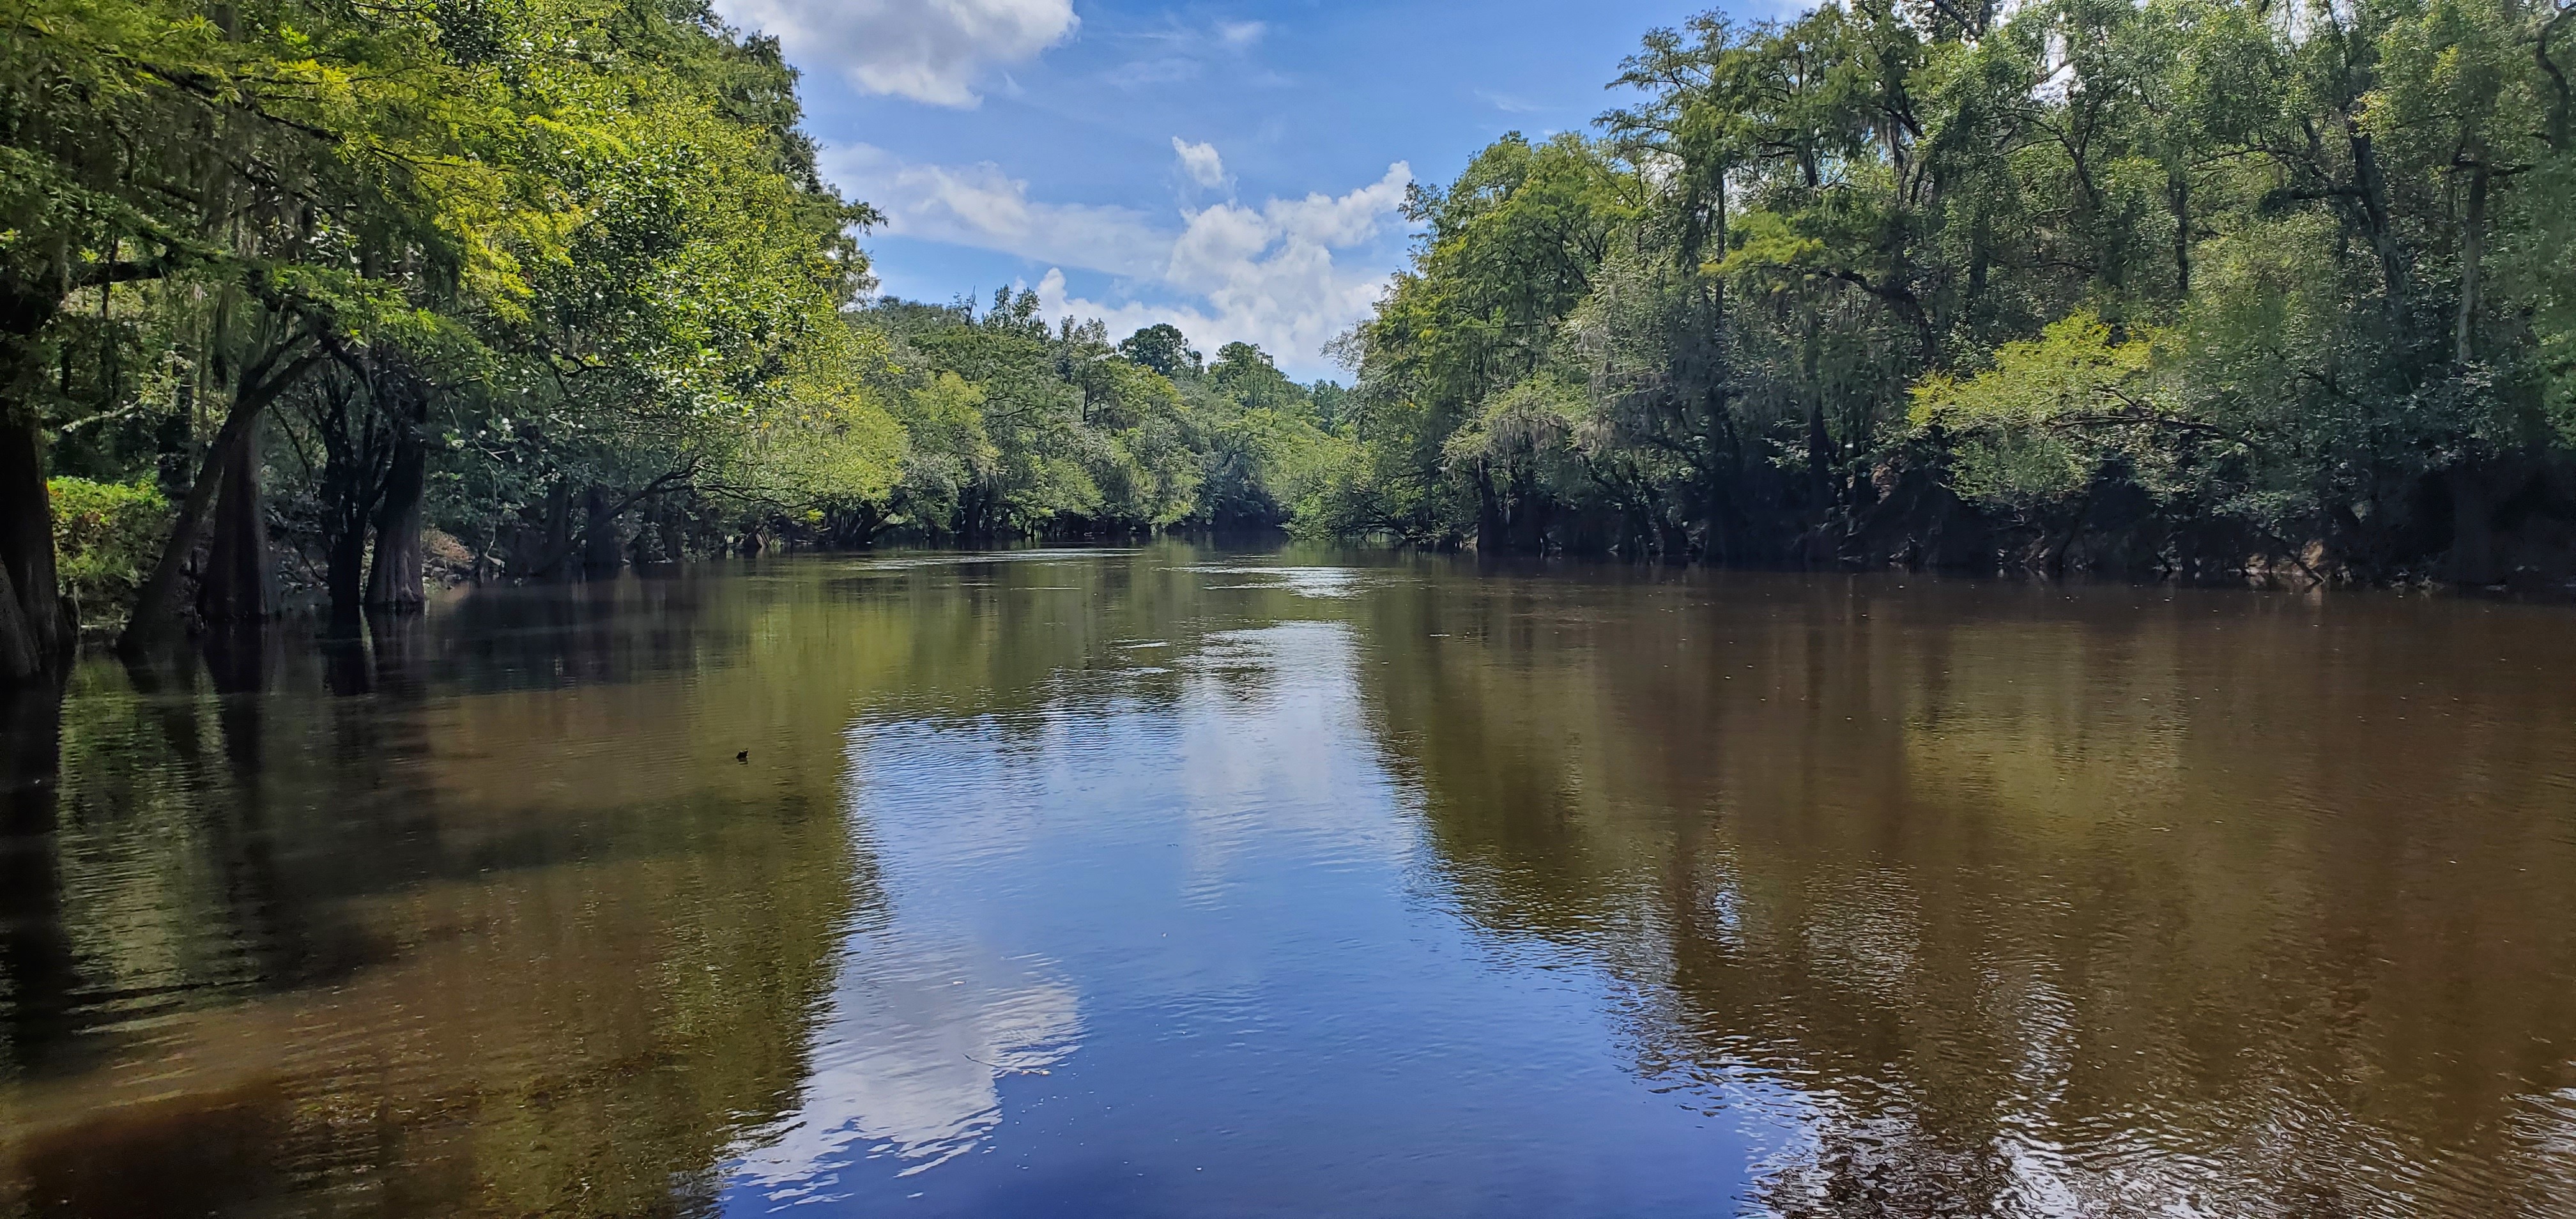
1233	168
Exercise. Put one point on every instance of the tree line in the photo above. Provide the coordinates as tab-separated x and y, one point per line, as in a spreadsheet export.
321	297
313	299
2179	286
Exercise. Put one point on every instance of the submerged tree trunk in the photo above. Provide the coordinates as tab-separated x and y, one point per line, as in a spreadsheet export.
352	487
554	561
602	555
35	633
397	580
674	536
239	584
344	571
22	655
156	609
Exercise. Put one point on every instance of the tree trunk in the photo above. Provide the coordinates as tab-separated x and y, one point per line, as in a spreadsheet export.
22	654
2561	128
2179	185
352	488
397	580
35	623
2473	557
344	564
2373	189
2074	530
1489	516
674	538
1820	459
2473	244
239	584
558	524
156	609
602	555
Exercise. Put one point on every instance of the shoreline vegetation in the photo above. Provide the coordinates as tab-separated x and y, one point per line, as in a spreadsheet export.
307	301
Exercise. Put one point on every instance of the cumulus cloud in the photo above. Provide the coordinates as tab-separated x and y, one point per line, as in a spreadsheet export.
1266	274
981	206
927	50
1200	162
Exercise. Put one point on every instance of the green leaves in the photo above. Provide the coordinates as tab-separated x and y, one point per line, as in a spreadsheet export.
2260	275
2032	427
105	536
2075	369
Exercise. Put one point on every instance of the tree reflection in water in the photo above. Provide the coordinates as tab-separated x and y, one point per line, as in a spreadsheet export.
1379	884
2038	901
362	926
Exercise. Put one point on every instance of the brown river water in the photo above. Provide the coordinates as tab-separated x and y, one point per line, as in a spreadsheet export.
1171	881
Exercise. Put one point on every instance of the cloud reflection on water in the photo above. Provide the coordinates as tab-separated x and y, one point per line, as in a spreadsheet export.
910	1060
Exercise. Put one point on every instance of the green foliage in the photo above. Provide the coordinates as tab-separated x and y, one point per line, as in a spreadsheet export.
1161	347
1016	429
105	537
497	259
2196	279
2016	432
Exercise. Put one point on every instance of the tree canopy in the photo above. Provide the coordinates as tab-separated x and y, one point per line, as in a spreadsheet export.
297	297
312	298
2185	286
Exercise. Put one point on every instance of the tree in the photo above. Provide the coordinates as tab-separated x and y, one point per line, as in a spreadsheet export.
1160	347
1690	337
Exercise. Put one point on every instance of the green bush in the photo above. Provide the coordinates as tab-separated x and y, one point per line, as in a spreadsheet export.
105	537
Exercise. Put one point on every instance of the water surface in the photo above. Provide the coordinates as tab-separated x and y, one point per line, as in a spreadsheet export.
1174	882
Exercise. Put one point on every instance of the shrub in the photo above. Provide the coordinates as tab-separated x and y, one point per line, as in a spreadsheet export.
106	536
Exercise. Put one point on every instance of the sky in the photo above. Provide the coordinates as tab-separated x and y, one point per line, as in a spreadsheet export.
1235	169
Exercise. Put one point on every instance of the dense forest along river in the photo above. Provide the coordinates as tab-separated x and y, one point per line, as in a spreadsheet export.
1165	882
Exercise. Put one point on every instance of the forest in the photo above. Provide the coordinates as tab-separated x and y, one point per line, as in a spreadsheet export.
2182	288
323	303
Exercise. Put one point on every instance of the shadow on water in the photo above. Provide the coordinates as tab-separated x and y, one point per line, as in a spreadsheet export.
380	920
37	964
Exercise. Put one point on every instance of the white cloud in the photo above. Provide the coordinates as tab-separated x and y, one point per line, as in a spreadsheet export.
1200	162
927	50
1240	35
1348	220
981	206
1266	274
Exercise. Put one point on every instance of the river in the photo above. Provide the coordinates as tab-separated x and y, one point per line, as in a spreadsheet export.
1166	881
